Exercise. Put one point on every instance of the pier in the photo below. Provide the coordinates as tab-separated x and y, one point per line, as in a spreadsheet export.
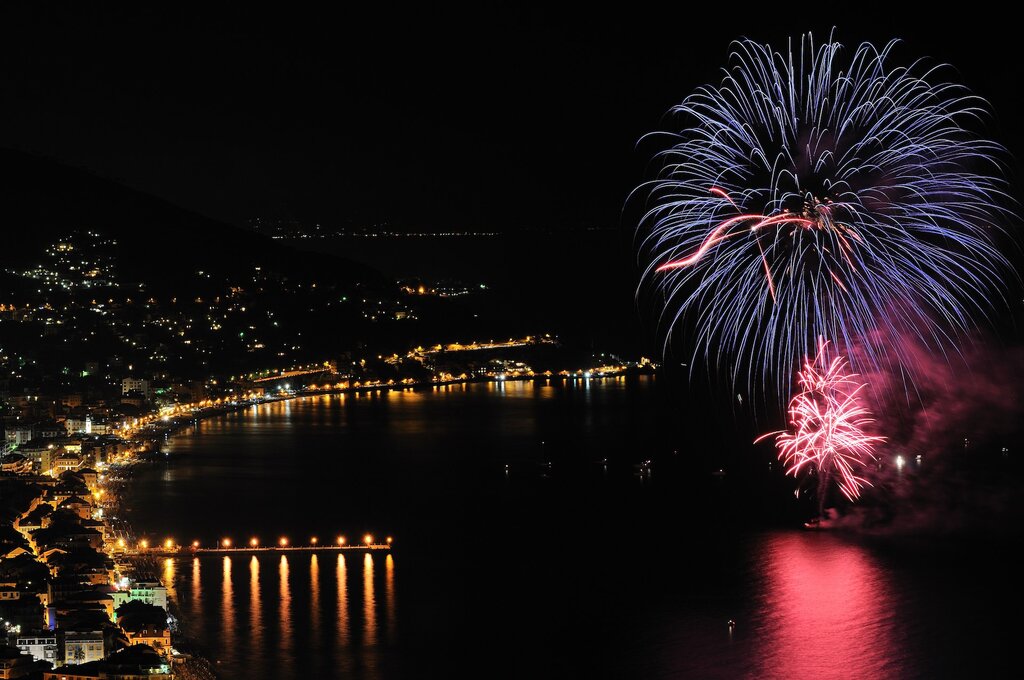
227	546
183	551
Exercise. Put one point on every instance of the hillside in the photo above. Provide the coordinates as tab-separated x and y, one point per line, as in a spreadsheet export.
43	201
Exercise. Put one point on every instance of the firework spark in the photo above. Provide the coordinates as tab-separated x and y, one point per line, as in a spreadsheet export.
814	195
828	421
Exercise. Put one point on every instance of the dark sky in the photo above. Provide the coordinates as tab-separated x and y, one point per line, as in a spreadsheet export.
513	118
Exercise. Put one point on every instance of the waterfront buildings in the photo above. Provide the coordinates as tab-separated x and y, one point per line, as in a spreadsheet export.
130	663
59	586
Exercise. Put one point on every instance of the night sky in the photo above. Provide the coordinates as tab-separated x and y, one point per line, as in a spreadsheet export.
431	118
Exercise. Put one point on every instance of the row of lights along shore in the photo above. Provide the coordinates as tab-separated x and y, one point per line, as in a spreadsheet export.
254	542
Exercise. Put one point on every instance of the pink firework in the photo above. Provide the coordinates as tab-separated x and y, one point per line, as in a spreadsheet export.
828	421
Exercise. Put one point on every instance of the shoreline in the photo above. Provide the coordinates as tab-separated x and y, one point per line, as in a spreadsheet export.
176	421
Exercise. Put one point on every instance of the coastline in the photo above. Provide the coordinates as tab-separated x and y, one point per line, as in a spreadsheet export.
173	422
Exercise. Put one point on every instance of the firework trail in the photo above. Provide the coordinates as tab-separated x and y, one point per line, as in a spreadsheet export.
822	193
827	421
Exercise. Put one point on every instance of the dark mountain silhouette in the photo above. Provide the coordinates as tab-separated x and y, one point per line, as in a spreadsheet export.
158	243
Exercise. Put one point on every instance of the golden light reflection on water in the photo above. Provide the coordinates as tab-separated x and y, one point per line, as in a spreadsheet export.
342	575
197	589
255	606
228	607
168	578
285	597
314	591
389	595
369	603
257	628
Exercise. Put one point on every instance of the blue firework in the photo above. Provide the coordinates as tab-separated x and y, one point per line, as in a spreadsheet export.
818	192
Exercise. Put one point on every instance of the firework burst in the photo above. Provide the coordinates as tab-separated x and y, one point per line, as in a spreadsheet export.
828	421
819	193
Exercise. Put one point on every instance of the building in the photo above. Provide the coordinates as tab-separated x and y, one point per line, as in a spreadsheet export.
77	505
20	433
33	450
41	452
89	476
93	598
140	385
14	664
105	449
78	424
38	518
66	462
83	646
50	429
41	646
99	426
138	662
149	591
16	463
9	592
157	636
145	624
19	610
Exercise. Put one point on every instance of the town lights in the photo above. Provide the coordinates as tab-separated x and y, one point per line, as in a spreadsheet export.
368	539
389	540
168	544
226	543
313	540
341	540
254	542
283	542
143	544
195	544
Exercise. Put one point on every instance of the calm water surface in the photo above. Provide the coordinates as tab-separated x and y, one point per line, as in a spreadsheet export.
570	563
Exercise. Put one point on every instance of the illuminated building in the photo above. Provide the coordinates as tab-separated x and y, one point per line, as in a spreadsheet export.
82	646
149	591
41	646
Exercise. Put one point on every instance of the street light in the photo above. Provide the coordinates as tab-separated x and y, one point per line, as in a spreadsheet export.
226	543
283	542
389	540
254	542
341	540
368	539
313	540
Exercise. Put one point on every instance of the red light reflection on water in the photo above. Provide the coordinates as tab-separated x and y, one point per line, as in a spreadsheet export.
827	610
